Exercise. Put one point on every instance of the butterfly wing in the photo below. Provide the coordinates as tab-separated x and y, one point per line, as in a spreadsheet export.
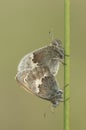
49	56
40	82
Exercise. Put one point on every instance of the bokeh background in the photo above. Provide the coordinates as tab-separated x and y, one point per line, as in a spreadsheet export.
25	26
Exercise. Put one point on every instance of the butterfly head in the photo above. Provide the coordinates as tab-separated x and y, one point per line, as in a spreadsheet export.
58	98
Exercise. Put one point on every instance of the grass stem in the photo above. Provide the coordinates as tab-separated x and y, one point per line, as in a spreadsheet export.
67	66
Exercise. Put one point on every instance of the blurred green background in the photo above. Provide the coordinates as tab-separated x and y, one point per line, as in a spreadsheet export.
25	26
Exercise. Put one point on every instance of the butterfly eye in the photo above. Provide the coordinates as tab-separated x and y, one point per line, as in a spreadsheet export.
59	92
57	43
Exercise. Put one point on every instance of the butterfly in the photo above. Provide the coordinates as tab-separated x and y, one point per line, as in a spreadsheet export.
37	70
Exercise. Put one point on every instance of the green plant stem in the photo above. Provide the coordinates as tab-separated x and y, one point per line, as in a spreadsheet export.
67	66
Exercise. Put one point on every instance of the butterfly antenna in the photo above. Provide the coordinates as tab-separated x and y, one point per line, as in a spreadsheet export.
50	108
51	34
47	110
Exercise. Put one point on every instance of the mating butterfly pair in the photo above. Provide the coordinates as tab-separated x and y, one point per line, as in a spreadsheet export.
37	71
